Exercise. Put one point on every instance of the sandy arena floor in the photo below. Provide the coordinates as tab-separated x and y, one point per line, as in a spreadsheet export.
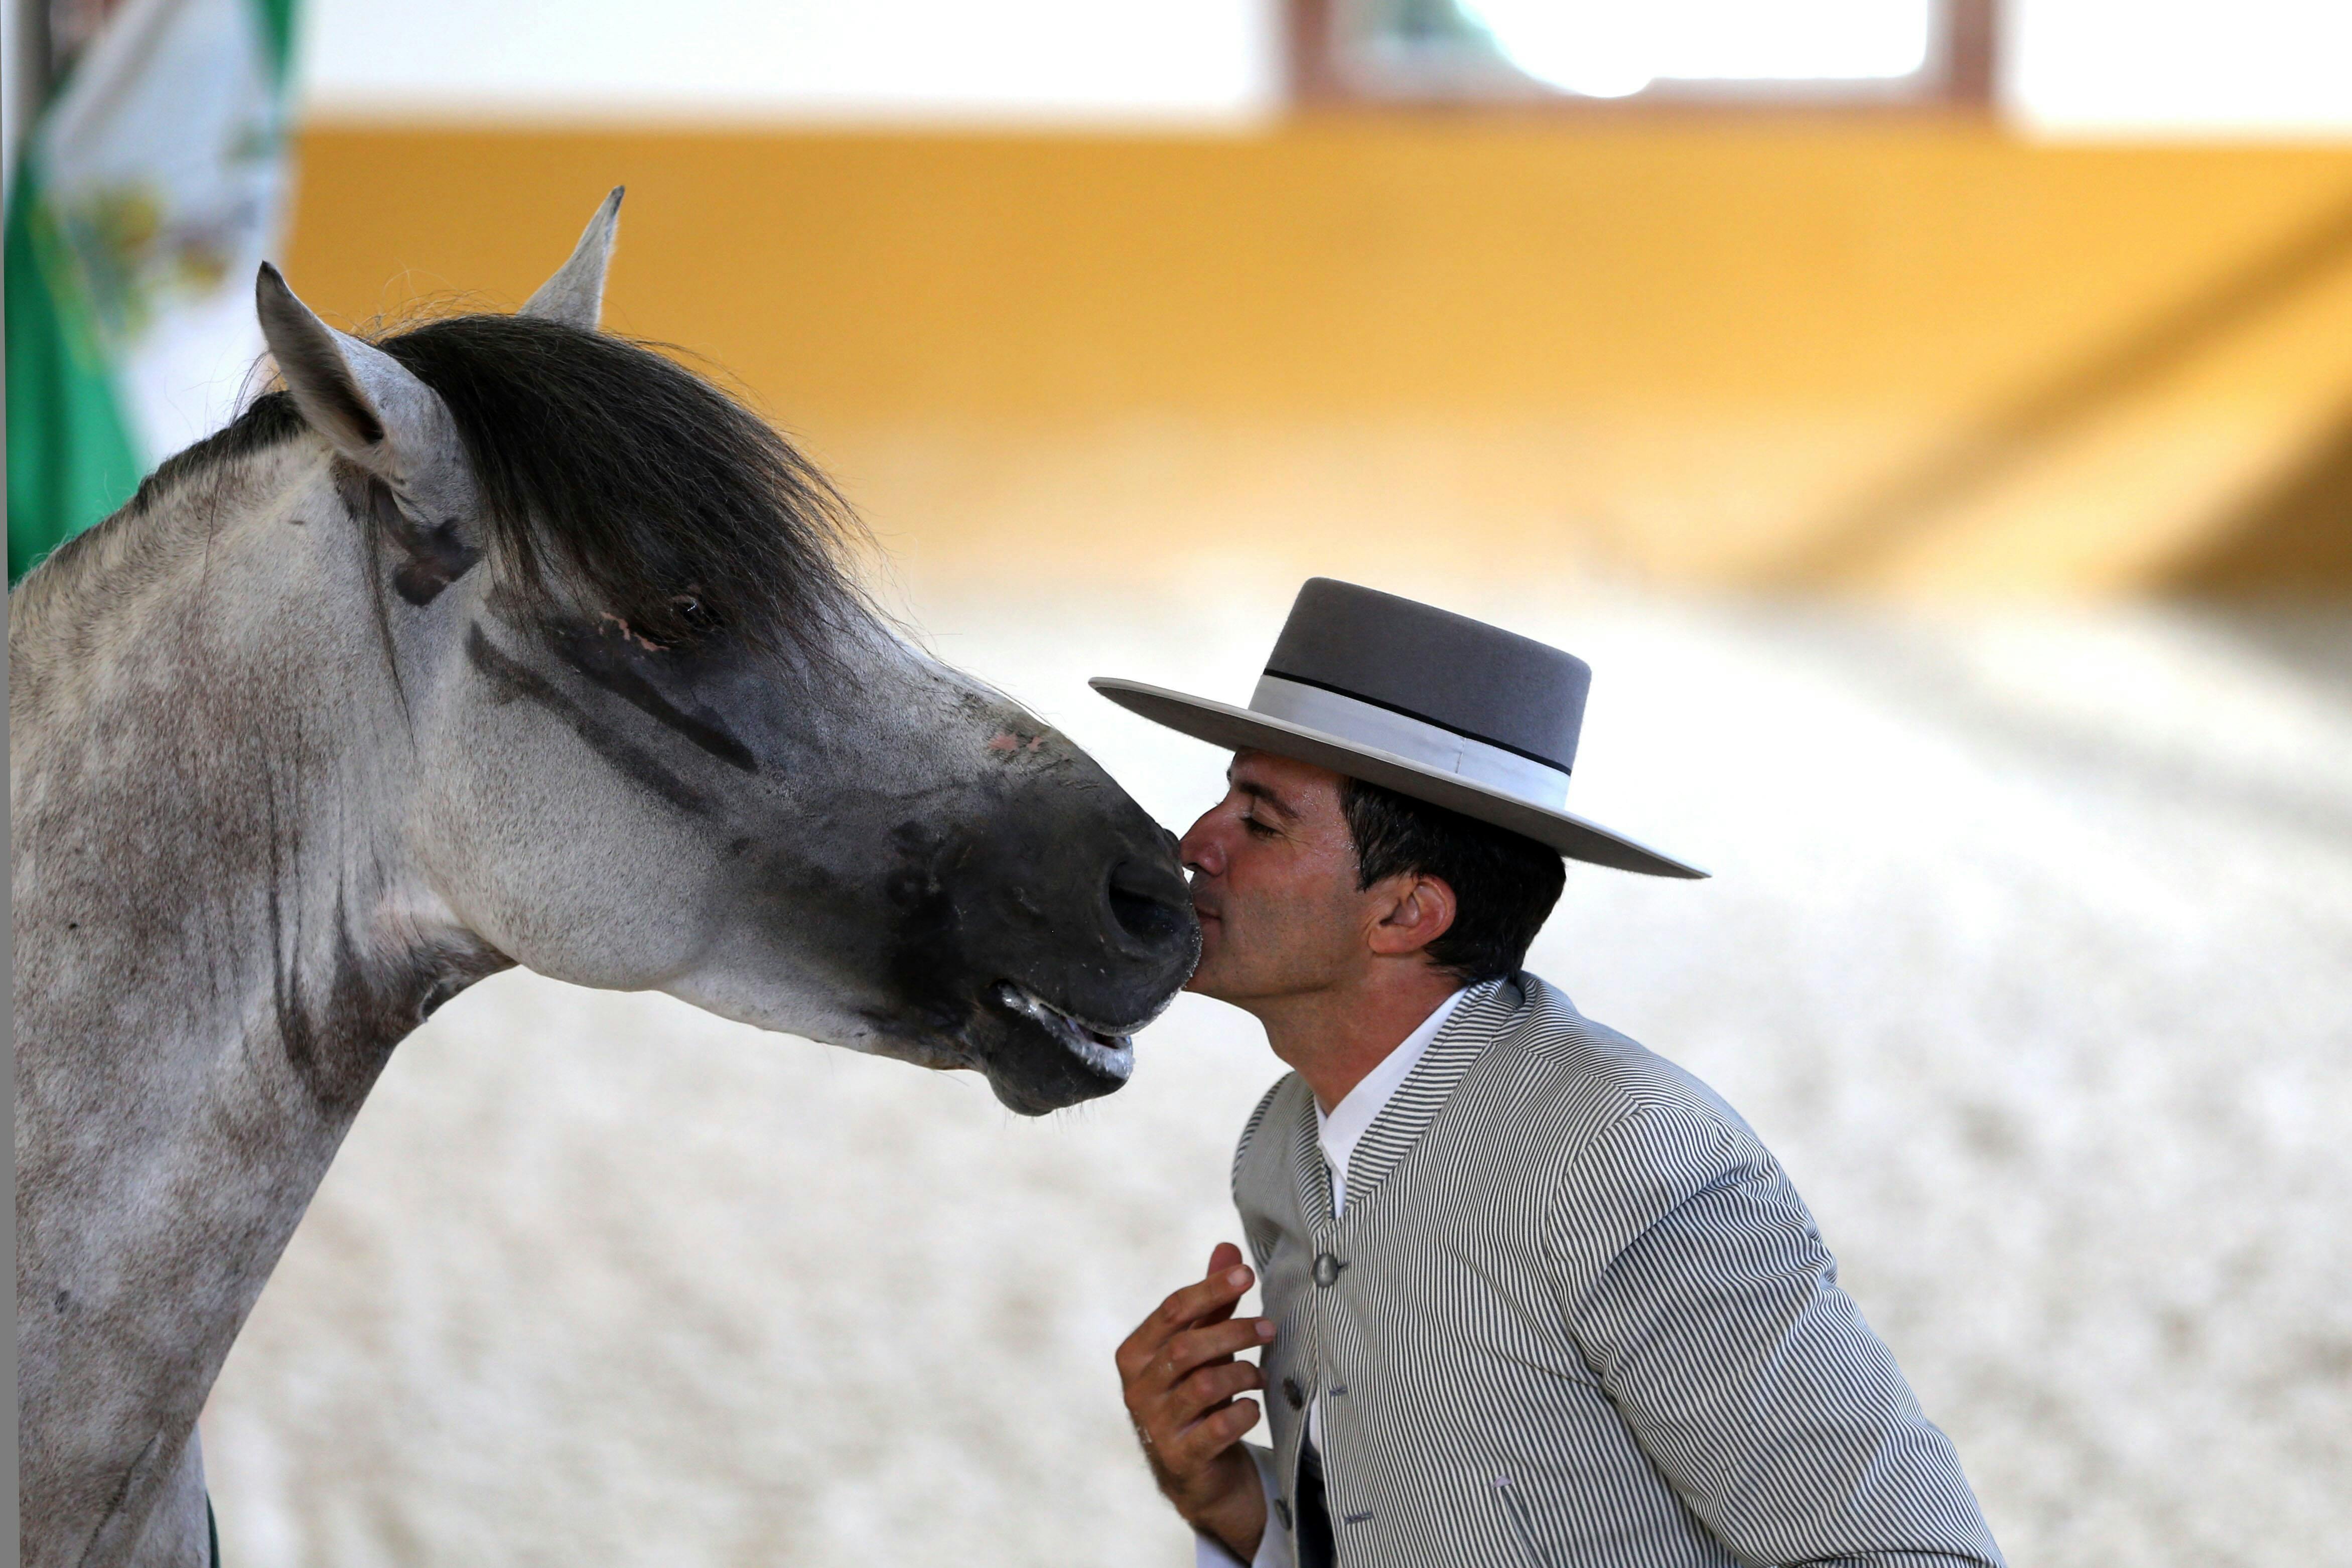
2029	953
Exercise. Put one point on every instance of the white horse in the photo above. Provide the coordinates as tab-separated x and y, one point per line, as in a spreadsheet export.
499	641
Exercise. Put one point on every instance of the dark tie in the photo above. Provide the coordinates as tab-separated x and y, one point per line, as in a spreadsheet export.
1315	1546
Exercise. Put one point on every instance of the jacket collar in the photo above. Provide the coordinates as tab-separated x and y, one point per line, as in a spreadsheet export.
1477	1019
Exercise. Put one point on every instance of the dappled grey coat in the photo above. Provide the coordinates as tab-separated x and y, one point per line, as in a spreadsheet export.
1575	1314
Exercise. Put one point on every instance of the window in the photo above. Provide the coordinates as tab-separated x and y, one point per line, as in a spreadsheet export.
1710	53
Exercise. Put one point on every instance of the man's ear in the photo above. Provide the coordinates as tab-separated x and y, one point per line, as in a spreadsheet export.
1414	911
575	295
367	405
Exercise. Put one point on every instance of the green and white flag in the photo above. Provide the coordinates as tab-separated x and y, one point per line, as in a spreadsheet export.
149	191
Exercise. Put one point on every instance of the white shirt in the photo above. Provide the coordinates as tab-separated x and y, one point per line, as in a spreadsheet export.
1339	1132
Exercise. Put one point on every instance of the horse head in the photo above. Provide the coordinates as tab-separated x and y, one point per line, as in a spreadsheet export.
663	742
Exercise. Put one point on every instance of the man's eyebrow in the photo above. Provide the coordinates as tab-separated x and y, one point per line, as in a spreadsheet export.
1258	791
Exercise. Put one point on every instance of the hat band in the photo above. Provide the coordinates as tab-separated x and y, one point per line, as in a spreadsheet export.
1416	740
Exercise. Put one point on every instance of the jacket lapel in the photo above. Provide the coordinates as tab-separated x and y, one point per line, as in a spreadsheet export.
1474	1026
1306	1168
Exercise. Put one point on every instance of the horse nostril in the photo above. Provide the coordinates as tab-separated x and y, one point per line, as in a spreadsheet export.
1139	902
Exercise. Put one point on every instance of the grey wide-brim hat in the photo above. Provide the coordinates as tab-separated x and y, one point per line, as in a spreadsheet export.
1432	705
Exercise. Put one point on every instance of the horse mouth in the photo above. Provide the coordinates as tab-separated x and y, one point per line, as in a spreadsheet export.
1105	1055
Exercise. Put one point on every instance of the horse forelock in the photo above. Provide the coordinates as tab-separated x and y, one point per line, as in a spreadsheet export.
617	481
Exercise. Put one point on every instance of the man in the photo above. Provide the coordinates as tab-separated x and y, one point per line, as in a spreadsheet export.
1535	1296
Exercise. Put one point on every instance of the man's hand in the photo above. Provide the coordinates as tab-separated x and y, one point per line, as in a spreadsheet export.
1182	1379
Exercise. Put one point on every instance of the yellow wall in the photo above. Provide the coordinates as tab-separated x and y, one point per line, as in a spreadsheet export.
1873	351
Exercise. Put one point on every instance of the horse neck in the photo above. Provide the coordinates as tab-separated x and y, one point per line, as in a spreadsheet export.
217	939
208	768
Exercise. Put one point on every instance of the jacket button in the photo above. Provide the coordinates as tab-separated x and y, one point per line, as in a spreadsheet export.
1296	1394
1327	1269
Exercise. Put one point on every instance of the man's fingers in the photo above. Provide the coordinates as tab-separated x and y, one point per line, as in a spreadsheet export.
1223	1258
1193	1303
1144	1364
1196	1447
1180	1311
1149	1380
1202	1346
1173	1419
1206	1389
1217	1314
1135	1351
1170	1319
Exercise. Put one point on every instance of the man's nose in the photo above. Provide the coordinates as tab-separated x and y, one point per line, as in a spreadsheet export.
1198	846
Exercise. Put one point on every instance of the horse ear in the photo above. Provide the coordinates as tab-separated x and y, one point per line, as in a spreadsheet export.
369	407
575	295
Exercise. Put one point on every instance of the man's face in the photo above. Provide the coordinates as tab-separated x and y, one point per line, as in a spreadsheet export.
1273	880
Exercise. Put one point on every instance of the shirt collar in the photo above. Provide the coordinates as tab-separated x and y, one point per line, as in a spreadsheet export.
1339	1132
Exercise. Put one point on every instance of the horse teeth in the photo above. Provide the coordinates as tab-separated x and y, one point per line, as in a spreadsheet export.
1112	1055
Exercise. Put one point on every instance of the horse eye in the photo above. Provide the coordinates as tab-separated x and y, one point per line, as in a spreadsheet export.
697	615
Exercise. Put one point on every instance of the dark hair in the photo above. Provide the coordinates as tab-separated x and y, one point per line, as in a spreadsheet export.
614	480
1503	885
618	478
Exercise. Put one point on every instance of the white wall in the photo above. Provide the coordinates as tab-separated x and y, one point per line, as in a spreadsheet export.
2072	68
2262	68
1015	61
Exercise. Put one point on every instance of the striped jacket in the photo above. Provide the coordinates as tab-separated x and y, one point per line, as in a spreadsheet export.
1576	1315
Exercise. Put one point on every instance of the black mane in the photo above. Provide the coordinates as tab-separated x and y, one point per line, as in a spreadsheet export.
615	481
620	481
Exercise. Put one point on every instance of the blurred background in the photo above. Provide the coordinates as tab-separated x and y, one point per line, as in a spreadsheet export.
1932	419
